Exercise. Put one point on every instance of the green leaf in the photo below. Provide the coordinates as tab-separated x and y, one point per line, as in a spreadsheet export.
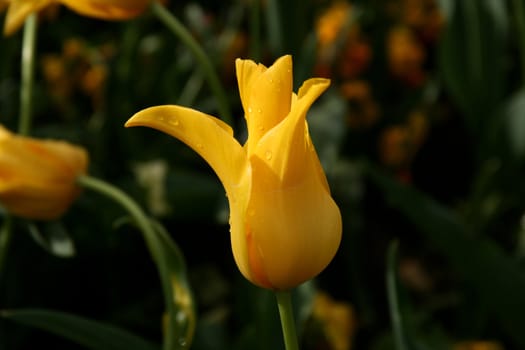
182	295
89	333
180	321
393	298
471	60
482	264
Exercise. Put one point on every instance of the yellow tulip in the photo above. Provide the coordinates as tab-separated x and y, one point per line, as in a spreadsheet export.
37	177
285	227
18	10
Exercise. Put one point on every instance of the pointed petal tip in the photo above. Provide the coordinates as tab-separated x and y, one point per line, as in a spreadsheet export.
143	116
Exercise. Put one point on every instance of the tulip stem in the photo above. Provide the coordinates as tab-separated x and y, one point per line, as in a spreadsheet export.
28	69
6	234
284	302
148	230
180	31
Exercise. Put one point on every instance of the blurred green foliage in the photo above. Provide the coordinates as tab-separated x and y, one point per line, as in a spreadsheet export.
421	135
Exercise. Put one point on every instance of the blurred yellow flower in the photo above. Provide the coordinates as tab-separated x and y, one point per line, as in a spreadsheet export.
478	345
37	177
330	24
406	56
337	320
285	227
18	10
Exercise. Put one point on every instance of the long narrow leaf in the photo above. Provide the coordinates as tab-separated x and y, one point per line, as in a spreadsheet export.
182	294
482	264
393	298
89	333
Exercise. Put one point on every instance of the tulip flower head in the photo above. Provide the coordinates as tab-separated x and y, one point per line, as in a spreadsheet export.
285	227
18	10
37	177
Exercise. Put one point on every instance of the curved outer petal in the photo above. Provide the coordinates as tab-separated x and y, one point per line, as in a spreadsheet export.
293	225
37	177
213	140
18	11
266	95
292	234
108	9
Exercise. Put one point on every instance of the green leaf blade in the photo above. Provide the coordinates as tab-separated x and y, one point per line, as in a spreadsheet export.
89	333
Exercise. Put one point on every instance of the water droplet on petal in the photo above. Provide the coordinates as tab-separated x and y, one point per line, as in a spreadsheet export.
259	110
174	122
249	109
161	118
200	146
268	155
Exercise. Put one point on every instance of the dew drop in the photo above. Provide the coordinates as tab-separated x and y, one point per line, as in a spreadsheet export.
182	342
200	146
259	111
260	128
174	122
249	109
268	155
161	118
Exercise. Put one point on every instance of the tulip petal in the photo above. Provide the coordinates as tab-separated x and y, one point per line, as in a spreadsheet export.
210	137
213	140
108	10
296	236
266	95
37	177
247	73
18	11
302	226
286	148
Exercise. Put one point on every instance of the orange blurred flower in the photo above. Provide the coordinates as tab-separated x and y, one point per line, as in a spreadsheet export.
363	109
336	319
18	10
478	345
394	146
405	56
38	177
340	43
330	24
424	16
77	68
399	144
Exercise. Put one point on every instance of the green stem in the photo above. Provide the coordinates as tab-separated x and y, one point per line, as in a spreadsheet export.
148	230
519	12
6	234
24	122
28	68
180	31
284	302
